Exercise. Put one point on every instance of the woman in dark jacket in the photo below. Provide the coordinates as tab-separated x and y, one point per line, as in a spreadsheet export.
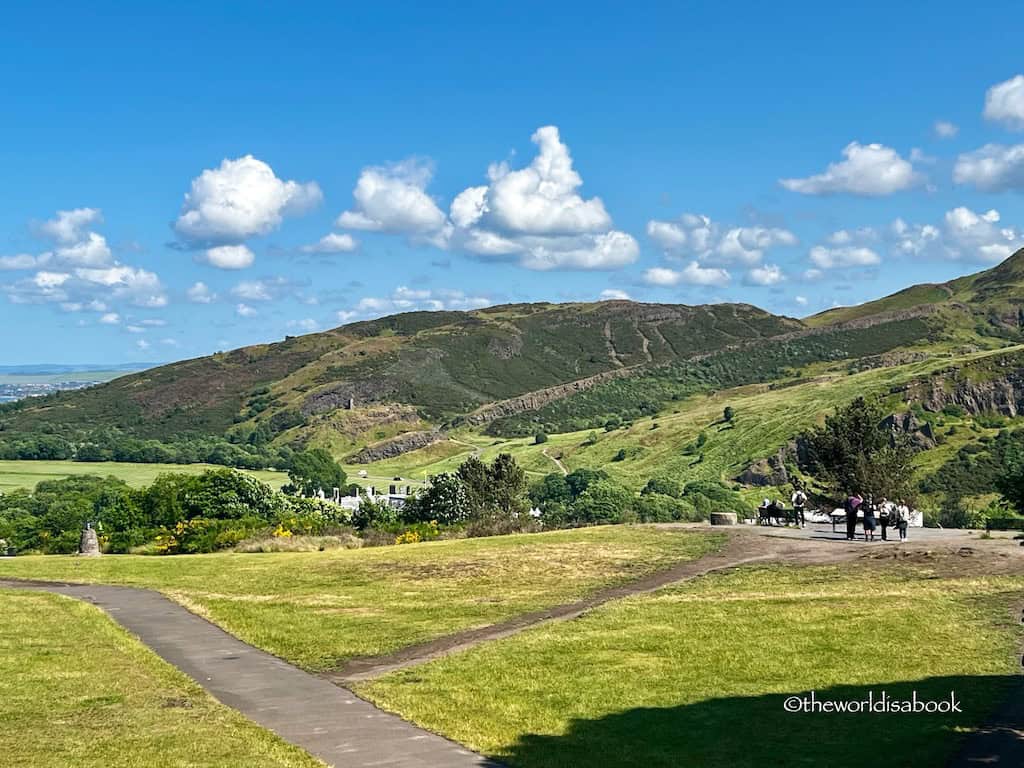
850	506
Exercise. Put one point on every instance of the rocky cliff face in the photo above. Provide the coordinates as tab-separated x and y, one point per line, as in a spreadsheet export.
396	446
538	399
1002	394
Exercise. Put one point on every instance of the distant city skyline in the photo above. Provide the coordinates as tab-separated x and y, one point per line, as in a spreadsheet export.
185	178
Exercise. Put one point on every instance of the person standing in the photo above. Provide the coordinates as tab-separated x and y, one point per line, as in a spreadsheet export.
799	499
850	506
869	519
885	516
901	517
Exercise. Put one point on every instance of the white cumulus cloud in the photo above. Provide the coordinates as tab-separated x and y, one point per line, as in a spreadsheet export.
692	274
537	217
244	310
332	243
240	199
200	293
766	274
993	168
697	235
945	129
841	257
394	199
963	235
614	294
1004	103
229	256
406	299
870	170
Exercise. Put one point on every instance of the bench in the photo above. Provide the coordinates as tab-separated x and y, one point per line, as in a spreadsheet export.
766	516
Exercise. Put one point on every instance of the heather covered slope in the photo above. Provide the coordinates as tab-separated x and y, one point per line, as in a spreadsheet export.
376	390
401	372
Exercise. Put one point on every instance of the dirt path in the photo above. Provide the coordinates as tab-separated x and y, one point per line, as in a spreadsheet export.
326	720
558	462
741	549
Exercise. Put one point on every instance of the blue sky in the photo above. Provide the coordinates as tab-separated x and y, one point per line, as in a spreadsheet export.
170	172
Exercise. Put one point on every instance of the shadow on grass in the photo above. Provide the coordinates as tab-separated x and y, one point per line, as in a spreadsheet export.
758	731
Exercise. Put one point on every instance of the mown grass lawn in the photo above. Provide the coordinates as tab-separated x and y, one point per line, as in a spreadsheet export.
696	675
26	474
80	692
318	609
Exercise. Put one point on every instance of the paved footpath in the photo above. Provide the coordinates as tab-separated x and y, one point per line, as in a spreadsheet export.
326	720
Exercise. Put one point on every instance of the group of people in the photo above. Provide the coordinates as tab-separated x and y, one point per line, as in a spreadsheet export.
884	513
773	509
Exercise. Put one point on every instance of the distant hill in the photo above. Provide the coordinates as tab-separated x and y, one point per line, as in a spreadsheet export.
375	389
53	369
993	296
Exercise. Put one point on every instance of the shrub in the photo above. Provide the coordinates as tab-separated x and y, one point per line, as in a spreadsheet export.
540	438
666	486
658	508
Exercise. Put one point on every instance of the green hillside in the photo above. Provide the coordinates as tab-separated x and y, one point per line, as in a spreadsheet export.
626	386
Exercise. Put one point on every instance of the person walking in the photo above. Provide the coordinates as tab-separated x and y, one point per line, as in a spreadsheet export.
850	506
799	500
869	519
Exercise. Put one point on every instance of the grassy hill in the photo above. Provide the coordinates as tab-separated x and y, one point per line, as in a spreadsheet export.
630	387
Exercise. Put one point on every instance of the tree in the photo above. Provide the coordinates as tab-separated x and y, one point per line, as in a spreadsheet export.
540	438
604	502
445	500
313	471
580	479
728	414
853	454
549	490
666	486
1010	483
475	477
508	487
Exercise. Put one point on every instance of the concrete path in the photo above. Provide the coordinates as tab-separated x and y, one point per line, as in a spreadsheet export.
326	720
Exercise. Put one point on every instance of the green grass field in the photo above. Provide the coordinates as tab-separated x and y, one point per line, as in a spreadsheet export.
318	609
25	474
80	692
697	674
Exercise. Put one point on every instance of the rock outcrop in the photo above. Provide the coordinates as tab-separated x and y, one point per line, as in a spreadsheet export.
919	432
532	401
765	472
396	446
1002	394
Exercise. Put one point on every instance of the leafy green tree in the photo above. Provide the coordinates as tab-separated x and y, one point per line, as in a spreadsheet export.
549	490
665	486
659	508
728	414
508	487
445	500
540	438
853	454
476	480
604	502
313	471
1010	482
580	479
375	514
